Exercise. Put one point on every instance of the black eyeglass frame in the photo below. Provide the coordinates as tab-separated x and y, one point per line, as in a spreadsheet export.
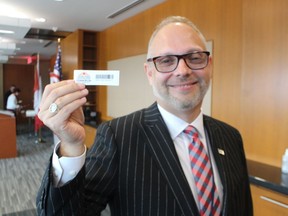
178	59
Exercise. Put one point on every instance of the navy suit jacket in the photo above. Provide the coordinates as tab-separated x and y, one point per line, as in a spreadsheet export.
133	166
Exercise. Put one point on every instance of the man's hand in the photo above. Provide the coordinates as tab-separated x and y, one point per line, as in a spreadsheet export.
68	119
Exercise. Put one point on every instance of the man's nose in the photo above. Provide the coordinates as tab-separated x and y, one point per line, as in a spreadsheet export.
182	68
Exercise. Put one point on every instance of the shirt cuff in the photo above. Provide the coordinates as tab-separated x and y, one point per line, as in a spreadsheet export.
66	168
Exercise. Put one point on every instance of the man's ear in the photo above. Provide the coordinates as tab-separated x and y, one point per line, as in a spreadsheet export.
210	65
148	71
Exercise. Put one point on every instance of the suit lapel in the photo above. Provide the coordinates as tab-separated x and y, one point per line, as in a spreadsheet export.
216	146
161	147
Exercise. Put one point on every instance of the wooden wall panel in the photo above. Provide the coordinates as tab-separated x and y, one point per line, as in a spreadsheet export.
52	62
45	69
23	77
71	54
264	99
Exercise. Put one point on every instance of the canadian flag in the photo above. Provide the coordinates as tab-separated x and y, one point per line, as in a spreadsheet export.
37	95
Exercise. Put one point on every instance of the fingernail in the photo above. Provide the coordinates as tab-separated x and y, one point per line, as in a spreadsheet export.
85	91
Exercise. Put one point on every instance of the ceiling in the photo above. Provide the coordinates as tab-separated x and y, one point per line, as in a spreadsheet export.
62	17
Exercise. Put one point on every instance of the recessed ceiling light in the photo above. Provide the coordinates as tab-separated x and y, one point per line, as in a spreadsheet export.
6	31
58	0
40	19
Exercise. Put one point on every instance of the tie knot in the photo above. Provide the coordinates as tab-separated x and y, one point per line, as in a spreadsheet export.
192	131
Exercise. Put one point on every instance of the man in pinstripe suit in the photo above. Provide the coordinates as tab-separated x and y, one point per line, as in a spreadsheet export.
139	163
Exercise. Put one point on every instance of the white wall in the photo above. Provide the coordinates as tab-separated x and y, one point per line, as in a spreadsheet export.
134	91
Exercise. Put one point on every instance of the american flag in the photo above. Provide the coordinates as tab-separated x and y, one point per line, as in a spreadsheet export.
56	75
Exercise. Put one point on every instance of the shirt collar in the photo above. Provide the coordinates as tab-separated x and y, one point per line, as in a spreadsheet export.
176	125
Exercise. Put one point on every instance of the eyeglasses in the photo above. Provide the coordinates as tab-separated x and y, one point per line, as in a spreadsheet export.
195	61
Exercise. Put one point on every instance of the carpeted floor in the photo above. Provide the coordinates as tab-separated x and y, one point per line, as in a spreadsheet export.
30	212
20	177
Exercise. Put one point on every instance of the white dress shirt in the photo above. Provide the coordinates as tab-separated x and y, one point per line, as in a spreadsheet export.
176	126
12	102
66	168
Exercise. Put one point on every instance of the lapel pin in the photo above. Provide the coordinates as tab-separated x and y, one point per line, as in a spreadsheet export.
221	151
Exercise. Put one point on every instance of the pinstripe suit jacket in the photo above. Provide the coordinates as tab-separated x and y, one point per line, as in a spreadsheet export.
134	167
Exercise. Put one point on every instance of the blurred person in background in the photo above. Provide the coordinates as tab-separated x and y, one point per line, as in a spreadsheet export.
7	94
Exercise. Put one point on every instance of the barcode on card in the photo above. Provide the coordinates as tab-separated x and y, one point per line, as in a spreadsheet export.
104	76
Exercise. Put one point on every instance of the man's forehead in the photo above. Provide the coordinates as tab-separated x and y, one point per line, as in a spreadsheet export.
177	25
173	37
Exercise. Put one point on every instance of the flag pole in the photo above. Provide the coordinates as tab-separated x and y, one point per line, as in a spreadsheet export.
56	76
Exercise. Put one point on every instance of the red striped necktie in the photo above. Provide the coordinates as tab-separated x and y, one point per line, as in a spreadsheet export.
203	175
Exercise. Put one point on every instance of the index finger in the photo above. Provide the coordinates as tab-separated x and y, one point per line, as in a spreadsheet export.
56	90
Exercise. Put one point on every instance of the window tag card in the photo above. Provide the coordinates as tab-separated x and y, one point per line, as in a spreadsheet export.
97	77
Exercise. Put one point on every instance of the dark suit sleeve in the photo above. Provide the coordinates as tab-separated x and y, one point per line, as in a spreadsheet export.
232	168
66	200
101	171
239	194
246	192
89	191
